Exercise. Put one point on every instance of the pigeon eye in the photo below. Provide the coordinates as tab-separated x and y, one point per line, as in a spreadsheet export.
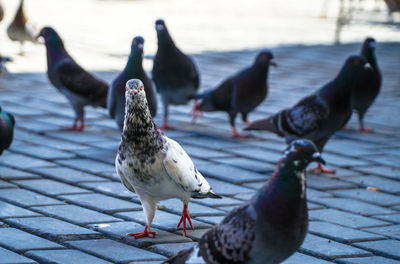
356	61
301	149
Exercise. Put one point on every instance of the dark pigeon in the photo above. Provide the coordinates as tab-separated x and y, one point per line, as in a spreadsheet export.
19	29
7	123
319	115
368	83
174	73
240	93
80	87
268	228
133	70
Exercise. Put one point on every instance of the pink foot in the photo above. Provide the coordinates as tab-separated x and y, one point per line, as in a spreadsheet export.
165	125
365	130
185	215
146	233
321	169
236	134
75	126
196	112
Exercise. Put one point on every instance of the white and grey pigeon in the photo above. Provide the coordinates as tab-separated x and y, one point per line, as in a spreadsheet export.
268	228
152	165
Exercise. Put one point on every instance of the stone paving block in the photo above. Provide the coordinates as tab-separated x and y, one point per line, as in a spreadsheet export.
394	218
345	219
13	174
64	256
386	248
75	214
88	165
340	233
327	249
67	175
175	206
366	260
228	189
22	161
102	203
110	188
26	198
392	231
204	153
9	210
213	143
162	220
247	164
195	234
213	220
225	201
382	184
52	229
384	171
20	241
9	257
50	187
344	161
75	137
354	206
116	252
171	249
102	155
378	198
258	154
120	229
43	152
323	183
6	185
231	174
297	258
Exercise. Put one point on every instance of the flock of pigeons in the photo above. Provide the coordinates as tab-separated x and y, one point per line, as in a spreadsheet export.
272	225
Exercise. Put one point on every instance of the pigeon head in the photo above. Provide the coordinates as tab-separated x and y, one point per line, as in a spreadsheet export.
265	58
368	50
135	94
352	67
302	152
137	44
50	36
162	33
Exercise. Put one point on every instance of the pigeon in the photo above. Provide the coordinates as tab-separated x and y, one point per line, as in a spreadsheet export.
7	123
152	165
80	87
174	73
271	226
133	69
1	12
3	61
368	84
19	29
319	115
240	93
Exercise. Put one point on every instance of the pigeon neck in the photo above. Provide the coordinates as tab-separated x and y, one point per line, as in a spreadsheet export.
261	70
369	55
140	135
165	41
280	198
134	65
55	53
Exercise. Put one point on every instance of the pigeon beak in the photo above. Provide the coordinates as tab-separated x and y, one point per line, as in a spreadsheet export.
317	157
367	66
159	27
273	63
140	46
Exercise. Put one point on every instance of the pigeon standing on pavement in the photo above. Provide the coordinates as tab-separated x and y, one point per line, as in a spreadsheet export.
80	87
7	123
19	29
268	228
368	83
319	115
174	73
152	165
240	93
133	69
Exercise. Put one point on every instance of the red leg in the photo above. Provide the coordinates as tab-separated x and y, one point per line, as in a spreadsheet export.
321	169
236	134
73	128
363	129
165	125
196	112
146	233
185	215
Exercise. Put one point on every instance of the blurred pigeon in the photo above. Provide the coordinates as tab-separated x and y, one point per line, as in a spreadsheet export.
368	83
175	75
319	115
240	93
1	12
3	61
133	69
19	29
7	123
152	165
268	228
80	87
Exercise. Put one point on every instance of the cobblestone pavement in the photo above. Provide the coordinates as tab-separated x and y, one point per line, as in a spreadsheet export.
61	202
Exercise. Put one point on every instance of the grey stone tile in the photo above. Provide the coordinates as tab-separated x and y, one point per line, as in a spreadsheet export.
116	252
22	161
297	258
64	256
13	174
67	175
52	229
327	249
102	203
231	174
392	231
75	214
43	152
247	164
171	249
9	210
380	183
313	194
175	206
258	154
195	234
378	198
344	161
50	187
340	233
213	220
102	155
394	218
228	189
366	260
386	248
345	219
26	198
9	257
21	241
202	153
88	165
384	171
110	188
213	143
6	185
225	201
323	183
120	229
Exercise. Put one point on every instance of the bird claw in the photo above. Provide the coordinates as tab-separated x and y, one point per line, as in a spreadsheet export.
73	128
321	169
185	215
196	112
365	130
236	134
166	127
144	233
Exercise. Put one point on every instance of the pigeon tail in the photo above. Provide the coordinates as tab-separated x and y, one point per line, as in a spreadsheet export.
263	124
210	194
